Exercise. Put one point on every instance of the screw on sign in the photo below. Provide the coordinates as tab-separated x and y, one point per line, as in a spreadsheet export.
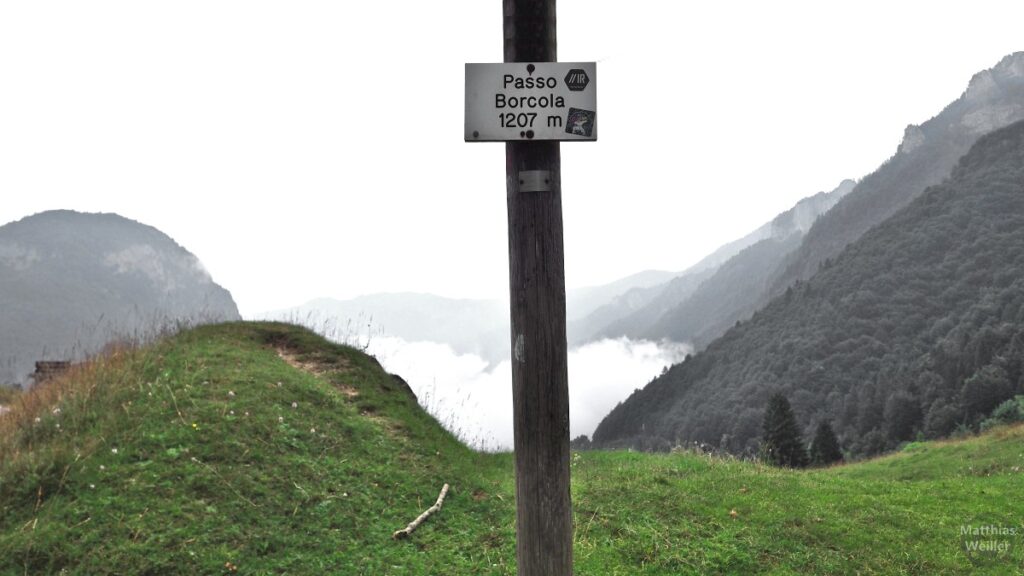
577	79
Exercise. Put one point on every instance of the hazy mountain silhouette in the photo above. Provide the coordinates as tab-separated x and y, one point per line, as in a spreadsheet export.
712	295
469	326
70	282
733	292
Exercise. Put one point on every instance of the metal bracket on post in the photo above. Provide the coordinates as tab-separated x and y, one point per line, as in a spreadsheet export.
535	181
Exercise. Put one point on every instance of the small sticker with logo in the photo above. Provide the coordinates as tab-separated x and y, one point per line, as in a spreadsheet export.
580	122
577	80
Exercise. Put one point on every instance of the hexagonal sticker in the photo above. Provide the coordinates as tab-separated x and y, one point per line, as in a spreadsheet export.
576	80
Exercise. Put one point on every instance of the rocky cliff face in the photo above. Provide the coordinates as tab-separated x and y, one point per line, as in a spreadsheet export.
801	217
71	282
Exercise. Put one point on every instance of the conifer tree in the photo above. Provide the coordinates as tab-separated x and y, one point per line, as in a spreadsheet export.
825	446
783	444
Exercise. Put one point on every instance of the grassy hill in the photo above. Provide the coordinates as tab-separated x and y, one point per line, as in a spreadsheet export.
263	449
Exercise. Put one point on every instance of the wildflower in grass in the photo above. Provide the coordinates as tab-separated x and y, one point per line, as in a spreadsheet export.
232	412
278	384
231	393
102	467
280	419
295	404
195	426
38	420
113	450
92	486
312	430
56	411
246	412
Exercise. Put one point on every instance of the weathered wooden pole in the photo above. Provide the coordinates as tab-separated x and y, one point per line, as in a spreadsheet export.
540	380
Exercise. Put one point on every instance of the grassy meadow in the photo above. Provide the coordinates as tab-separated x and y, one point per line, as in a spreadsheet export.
261	448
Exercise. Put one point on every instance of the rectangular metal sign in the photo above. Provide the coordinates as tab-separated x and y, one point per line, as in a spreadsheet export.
531	101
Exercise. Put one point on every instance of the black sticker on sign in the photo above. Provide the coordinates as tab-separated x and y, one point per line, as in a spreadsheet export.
580	122
577	79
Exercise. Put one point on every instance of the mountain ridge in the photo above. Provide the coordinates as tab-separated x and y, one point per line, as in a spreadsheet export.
668	314
927	153
469	325
994	98
917	327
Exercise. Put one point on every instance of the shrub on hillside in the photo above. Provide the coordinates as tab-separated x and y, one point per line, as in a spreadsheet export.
1008	412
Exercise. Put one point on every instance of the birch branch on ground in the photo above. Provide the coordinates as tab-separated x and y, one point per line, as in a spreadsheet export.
404	532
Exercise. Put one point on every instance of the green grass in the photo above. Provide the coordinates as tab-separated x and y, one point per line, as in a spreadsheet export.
202	478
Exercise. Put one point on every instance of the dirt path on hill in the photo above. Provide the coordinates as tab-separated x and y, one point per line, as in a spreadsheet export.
316	369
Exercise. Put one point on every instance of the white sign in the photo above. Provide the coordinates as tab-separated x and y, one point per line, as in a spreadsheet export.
531	101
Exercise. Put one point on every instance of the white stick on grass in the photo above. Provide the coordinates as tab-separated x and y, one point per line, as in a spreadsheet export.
405	532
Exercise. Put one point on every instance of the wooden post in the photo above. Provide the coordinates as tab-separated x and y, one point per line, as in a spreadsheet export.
540	381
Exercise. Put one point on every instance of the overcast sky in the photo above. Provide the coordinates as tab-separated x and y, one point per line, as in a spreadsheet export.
306	149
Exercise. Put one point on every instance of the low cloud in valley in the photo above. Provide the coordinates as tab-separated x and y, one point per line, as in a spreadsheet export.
473	397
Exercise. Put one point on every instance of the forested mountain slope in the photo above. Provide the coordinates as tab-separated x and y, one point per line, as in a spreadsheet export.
916	328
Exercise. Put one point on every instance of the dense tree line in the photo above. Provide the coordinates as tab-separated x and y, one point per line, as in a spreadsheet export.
915	330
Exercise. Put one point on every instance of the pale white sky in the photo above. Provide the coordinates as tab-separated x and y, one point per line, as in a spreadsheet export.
306	149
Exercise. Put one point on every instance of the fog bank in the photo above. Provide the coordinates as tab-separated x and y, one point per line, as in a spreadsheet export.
473	398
